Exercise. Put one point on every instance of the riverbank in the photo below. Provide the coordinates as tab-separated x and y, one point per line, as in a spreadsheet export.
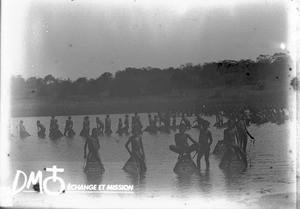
245	95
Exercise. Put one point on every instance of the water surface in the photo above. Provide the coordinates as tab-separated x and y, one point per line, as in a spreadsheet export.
271	157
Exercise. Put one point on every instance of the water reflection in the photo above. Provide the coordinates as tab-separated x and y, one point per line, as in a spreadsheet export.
184	182
55	142
204	181
234	178
271	149
94	178
69	141
137	179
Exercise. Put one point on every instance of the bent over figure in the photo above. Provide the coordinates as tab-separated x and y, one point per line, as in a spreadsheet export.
41	129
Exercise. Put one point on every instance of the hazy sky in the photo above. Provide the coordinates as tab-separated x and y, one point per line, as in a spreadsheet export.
82	38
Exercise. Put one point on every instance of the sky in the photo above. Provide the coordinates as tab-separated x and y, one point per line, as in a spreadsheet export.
85	38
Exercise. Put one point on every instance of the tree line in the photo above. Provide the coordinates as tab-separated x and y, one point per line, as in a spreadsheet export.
152	81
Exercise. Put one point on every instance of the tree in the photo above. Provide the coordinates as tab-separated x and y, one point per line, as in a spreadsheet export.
158	85
107	76
152	80
125	88
64	89
49	79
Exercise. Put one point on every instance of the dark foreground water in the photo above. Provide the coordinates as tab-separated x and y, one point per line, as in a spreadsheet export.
272	172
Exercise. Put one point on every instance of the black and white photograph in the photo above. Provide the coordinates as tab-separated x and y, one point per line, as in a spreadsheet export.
149	104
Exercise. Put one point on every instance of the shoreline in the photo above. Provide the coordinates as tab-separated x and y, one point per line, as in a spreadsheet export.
145	104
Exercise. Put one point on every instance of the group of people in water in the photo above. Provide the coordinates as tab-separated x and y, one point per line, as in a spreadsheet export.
235	135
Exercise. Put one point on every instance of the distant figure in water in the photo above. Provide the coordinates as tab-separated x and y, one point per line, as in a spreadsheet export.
92	142
55	131
155	120
185	121
120	127
108	130
137	148
159	117
150	120
200	121
242	133
181	146
85	132
139	122
231	134
231	138
41	129
22	131
69	127
100	125
52	122
126	124
133	119
174	122
152	128
136	121
205	140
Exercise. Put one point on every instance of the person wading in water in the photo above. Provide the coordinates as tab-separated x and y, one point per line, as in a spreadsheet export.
41	129
185	121
100	125
231	138
22	131
126	123
120	127
85	132
52	123
108	130
55	131
69	127
137	148
242	132
205	140
181	146
92	142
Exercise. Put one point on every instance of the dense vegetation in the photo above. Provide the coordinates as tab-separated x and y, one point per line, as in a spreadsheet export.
153	81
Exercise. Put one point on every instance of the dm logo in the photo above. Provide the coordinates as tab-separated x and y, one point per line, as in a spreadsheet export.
38	178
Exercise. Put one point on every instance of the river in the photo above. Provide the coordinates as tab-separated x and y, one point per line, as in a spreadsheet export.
272	170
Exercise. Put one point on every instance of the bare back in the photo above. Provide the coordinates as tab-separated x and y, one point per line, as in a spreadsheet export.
181	140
